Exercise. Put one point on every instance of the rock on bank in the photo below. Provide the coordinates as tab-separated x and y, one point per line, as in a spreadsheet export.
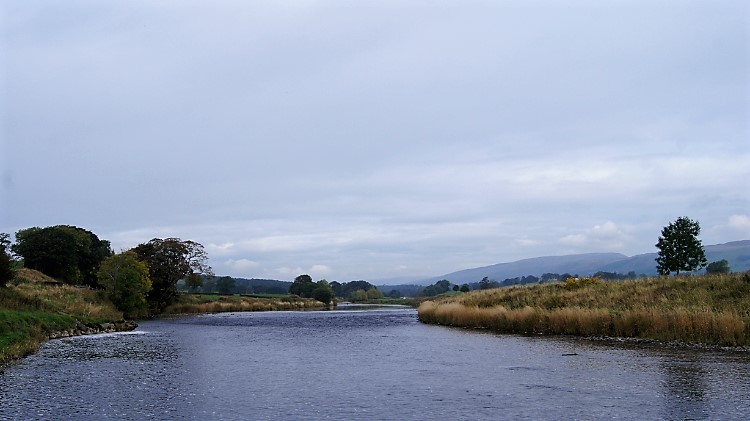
81	329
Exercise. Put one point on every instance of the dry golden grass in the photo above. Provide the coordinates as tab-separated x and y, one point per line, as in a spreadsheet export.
701	309
195	303
33	305
32	290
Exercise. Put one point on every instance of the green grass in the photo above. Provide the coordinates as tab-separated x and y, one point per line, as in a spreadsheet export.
32	307
710	309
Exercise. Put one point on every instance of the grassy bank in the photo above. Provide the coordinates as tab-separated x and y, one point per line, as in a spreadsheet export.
33	306
711	309
214	303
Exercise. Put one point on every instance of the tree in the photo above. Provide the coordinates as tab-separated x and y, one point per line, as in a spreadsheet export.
374	294
336	287
358	295
721	266
323	292
64	252
6	274
679	247
347	288
465	288
126	282
394	293
303	286
486	283
170	260
437	288
225	285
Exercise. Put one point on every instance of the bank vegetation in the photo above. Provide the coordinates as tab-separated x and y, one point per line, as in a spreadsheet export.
708	309
215	303
35	307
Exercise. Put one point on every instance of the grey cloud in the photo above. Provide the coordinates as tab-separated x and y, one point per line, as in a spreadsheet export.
376	139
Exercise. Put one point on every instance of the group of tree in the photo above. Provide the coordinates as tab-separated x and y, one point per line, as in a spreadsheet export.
441	287
138	281
305	287
356	291
437	288
520	280
361	295
614	276
204	284
64	252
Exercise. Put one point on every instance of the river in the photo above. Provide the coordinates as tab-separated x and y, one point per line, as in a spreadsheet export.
374	364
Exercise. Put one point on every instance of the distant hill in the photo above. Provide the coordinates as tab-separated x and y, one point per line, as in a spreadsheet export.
573	264
737	253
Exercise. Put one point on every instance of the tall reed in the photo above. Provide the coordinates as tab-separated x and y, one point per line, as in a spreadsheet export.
191	304
700	309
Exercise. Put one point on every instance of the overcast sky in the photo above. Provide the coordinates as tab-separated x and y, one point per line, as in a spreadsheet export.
375	139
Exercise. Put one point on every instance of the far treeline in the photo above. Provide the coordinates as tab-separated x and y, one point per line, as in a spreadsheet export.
141	281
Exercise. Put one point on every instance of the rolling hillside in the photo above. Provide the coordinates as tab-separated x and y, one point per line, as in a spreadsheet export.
737	253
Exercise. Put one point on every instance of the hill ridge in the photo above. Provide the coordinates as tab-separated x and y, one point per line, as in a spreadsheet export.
736	252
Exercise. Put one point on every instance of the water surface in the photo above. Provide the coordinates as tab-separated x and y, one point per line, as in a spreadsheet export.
372	364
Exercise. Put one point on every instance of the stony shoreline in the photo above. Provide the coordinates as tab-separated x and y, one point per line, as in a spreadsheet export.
660	344
82	329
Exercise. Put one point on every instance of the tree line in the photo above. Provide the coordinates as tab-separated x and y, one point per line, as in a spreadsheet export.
139	281
143	280
325	292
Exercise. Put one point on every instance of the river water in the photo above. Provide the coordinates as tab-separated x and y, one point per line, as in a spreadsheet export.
377	364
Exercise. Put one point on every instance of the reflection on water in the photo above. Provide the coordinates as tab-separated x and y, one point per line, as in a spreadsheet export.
374	364
685	383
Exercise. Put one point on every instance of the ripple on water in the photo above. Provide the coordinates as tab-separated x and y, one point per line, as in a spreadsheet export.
361	365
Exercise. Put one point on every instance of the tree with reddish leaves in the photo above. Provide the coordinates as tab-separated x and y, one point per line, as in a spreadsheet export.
170	260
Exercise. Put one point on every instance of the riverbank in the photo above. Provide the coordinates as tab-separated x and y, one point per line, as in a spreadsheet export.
35	308
215	303
709	309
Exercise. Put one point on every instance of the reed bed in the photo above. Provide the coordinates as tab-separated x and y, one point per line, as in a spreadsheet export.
200	303
711	309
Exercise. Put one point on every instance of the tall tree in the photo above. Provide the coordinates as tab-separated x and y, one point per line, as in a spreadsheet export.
126	282
170	260
323	292
679	247
65	252
374	294
303	286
